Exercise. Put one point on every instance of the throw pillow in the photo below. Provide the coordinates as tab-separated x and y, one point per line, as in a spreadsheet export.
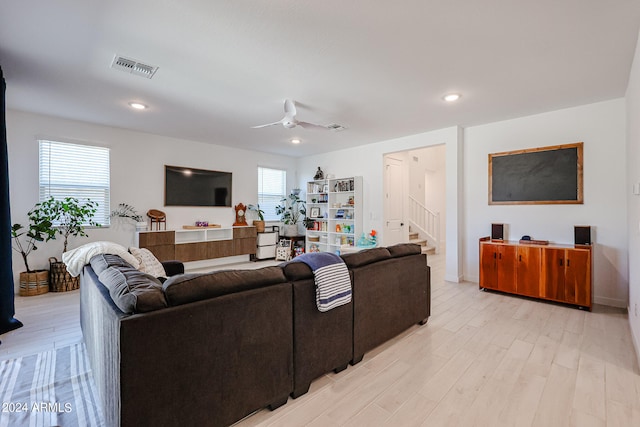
148	262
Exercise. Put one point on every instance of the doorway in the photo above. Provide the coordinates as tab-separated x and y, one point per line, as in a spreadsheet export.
415	197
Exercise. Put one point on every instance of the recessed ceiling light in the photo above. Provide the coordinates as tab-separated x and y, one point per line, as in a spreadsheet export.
451	97
295	141
138	106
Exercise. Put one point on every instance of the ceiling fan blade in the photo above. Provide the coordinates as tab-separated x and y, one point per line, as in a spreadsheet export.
289	109
279	122
308	125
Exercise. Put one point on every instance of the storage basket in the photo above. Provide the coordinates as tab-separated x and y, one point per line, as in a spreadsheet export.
59	278
34	283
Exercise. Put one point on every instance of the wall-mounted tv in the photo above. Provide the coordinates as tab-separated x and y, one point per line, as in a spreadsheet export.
196	187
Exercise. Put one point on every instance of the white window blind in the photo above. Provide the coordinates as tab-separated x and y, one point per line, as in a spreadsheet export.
74	170
272	186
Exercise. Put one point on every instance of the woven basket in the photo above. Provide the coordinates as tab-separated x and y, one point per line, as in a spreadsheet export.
34	283
59	278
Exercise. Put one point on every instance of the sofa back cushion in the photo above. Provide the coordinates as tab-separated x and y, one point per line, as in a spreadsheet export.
186	288
404	249
132	290
101	262
297	271
365	257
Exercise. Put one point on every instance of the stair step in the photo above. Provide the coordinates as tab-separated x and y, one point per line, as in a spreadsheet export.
420	242
431	250
414	236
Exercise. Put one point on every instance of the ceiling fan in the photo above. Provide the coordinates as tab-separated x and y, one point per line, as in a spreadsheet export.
289	120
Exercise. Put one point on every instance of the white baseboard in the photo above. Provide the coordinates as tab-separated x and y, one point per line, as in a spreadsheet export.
611	302
472	279
454	279
636	344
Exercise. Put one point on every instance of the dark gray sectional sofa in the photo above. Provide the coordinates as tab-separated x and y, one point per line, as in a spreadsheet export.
210	349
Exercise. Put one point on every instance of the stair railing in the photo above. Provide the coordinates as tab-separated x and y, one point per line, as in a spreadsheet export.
426	221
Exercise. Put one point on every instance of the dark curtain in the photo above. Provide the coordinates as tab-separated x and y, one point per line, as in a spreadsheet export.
7	306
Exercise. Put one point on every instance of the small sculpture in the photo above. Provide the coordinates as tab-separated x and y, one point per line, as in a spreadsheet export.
319	174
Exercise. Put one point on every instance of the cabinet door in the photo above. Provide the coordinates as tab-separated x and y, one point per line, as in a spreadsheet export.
488	274
244	246
244	232
506	268
186	252
577	283
553	264
528	271
219	249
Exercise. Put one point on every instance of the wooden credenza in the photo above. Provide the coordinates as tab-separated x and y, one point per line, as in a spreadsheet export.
561	273
196	245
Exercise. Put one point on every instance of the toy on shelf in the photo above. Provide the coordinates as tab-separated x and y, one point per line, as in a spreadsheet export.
368	241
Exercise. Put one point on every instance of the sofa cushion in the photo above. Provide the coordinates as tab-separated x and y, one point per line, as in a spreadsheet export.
132	290
186	288
297	271
365	257
148	262
404	249
101	262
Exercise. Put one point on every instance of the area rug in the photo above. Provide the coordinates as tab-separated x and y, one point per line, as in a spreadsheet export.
52	388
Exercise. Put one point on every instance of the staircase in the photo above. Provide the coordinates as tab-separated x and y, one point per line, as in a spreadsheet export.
414	237
424	223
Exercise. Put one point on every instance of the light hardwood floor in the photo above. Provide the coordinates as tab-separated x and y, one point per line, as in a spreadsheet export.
483	359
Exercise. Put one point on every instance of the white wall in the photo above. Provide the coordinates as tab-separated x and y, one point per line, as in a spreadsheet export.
367	161
633	201
601	127
137	175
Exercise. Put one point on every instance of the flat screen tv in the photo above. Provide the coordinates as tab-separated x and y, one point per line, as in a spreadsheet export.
196	187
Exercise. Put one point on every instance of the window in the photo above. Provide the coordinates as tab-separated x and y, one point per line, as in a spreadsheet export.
272	187
74	170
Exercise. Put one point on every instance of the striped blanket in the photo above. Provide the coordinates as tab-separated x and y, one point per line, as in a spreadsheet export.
333	283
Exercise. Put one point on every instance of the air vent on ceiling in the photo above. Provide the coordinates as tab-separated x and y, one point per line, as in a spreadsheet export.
133	66
336	127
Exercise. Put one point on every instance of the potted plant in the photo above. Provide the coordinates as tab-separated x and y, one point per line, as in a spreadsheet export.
259	223
70	217
292	210
40	229
127	211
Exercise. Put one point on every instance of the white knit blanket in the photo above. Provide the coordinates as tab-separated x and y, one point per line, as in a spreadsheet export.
77	258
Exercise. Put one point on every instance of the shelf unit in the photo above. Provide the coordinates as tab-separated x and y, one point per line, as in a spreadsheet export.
203	235
338	202
199	244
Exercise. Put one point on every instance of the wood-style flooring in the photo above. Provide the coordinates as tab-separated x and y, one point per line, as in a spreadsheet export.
483	359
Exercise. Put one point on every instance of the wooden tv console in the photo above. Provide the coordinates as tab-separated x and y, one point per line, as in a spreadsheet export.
561	273
199	244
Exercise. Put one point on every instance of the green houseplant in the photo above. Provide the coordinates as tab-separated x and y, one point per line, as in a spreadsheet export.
26	240
259	223
292	209
70	217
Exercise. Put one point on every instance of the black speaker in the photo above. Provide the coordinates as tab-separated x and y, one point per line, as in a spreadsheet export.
497	231
582	234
